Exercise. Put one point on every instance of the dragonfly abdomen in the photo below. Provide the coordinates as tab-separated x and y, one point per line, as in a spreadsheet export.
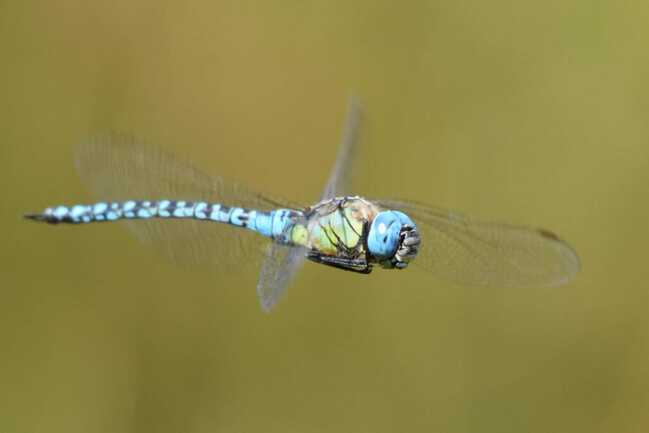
275	224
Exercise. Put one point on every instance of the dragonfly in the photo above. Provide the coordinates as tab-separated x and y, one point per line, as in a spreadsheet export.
198	218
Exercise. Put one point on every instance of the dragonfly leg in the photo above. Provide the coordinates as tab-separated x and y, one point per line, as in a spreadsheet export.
354	265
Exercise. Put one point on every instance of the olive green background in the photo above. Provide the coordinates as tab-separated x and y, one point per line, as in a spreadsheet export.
531	112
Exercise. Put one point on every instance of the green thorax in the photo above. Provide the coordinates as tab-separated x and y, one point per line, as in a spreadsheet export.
336	225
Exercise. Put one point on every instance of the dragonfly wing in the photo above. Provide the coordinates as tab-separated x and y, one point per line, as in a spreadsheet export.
340	178
282	263
120	167
277	270
464	250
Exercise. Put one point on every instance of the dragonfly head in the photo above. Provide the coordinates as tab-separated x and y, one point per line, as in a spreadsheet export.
393	239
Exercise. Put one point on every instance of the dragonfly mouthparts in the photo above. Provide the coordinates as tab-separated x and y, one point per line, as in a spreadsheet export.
409	240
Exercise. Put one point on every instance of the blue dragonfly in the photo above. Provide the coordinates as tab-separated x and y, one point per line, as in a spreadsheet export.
189	215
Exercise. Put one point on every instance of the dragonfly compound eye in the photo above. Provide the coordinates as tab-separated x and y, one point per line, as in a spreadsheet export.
393	239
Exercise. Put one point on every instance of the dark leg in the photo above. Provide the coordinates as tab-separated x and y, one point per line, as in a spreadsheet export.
354	265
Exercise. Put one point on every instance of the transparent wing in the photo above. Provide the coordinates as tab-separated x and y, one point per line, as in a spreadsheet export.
460	249
281	263
120	167
278	269
340	177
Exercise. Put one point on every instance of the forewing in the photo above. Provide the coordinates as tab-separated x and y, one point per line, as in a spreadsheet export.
282	263
120	167
464	250
340	178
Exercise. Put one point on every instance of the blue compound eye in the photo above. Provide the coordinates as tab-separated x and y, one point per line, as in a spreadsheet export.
393	239
384	237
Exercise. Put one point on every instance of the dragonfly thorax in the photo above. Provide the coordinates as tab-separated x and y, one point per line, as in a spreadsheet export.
393	239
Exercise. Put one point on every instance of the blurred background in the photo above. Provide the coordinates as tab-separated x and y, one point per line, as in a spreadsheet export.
529	112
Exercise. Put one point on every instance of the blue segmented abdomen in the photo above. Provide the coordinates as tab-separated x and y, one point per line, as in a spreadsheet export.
275	224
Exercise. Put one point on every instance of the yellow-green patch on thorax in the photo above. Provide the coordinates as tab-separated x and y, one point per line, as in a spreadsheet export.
336	224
